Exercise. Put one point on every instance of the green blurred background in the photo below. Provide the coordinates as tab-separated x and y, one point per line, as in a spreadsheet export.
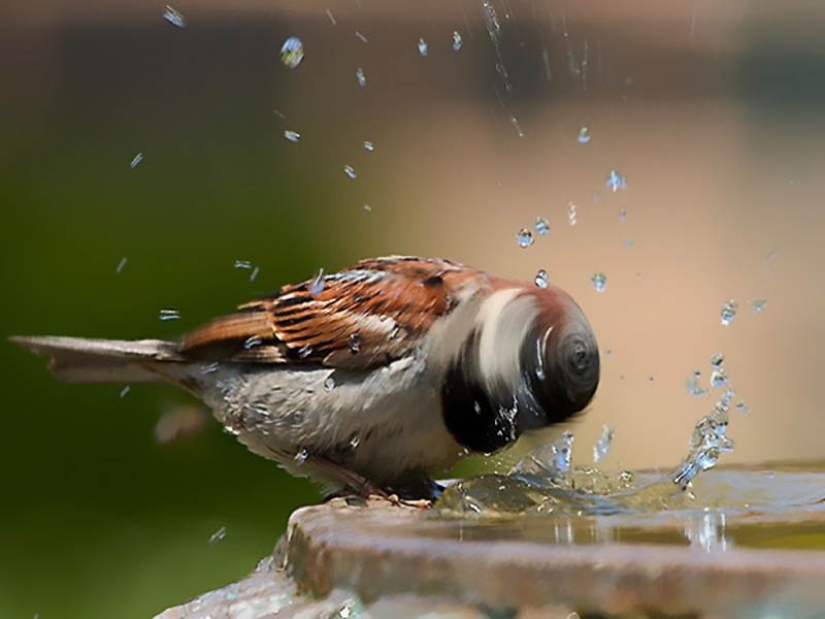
713	112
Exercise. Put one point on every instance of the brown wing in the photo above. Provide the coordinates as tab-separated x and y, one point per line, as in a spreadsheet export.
361	317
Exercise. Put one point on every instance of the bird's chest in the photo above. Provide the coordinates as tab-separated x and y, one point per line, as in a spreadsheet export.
379	423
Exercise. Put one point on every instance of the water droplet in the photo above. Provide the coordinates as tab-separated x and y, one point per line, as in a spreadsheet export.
252	341
615	181
254	274
369	146
622	216
541	279
329	384
717	359
718	378
368	208
359	75
210	368
693	386
477	407
292	136
355	343
316	286
331	17
742	407
599	281
563	451
728	312
524	238
361	37
457	42
517	126
136	161
125	391
217	536
542	226
584	135
350	172
243	264
121	265
305	351
602	445
355	442
169	314
571	213
422	48
292	52
757	305
301	456
174	17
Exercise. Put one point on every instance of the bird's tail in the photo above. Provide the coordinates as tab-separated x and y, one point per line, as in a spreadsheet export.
84	360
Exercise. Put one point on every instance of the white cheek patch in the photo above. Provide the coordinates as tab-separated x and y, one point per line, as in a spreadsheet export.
503	322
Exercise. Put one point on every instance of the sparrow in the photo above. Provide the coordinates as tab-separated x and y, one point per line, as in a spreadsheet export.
374	378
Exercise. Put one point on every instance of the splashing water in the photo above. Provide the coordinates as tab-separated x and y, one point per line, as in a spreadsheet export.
422	48
524	238
602	445
572	213
541	279
174	17
757	305
217	536
369	146
292	136
316	286
494	30
718	378
359	75
301	457
693	386
584	135
728	312
615	181
355	343
457	41
135	162
292	52
169	314
542	226
121	265
350	172
599	281
329	384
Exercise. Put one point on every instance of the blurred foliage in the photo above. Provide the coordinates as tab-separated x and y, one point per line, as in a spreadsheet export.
99	519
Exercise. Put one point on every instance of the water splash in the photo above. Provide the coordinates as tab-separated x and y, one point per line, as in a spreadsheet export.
316	286
350	172
121	265
542	226
168	314
599	281
292	52
524	238
758	305
615	181
572	213
422	48
494	30
541	279
174	17
602	445
728	312
369	146
457	41
135	162
292	136
584	135
359	75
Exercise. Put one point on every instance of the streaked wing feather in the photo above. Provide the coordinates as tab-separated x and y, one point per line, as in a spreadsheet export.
364	316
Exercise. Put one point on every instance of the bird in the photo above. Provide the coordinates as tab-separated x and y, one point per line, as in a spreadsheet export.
372	379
